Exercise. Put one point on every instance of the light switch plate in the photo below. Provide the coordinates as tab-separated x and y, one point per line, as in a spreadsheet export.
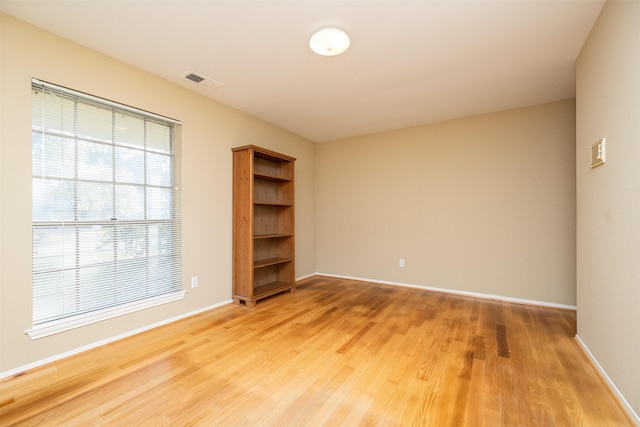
598	153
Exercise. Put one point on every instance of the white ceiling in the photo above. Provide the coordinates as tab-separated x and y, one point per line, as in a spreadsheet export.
410	62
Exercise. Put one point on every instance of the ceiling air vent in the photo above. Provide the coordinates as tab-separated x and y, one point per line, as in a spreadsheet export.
194	78
201	80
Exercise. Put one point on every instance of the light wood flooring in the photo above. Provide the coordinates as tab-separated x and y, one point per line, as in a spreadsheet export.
334	353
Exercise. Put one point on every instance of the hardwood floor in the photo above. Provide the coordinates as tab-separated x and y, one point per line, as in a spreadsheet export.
335	353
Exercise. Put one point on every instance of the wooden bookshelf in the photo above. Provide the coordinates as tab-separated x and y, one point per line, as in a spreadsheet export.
263	224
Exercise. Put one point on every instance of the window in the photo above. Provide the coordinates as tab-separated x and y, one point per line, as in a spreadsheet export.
106	209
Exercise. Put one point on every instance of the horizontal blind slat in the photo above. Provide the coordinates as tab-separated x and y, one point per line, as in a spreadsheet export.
106	204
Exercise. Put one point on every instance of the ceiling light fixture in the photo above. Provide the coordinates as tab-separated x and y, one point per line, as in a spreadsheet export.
329	42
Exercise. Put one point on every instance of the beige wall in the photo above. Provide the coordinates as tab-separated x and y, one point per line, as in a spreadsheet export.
481	204
608	209
209	131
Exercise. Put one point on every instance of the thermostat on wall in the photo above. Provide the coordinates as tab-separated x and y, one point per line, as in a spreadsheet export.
598	153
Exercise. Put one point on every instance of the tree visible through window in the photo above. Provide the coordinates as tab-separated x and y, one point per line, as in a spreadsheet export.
106	206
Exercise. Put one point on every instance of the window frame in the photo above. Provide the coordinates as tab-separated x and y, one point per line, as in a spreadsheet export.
175	291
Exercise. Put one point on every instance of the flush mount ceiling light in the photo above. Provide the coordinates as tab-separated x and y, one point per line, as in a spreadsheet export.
329	42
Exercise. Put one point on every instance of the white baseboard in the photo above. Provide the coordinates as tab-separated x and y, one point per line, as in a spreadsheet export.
51	359
456	292
298	279
623	402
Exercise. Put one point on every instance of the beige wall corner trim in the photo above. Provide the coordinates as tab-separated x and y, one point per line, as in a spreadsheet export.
78	350
457	292
617	394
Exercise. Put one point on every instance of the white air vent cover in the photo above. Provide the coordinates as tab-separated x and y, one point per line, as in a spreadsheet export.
200	80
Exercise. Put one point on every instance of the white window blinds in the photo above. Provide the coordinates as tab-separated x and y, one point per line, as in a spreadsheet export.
106	205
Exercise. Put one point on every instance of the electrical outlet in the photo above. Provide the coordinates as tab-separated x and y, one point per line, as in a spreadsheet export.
194	282
401	263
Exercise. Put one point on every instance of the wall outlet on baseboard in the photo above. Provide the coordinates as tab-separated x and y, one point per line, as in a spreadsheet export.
194	282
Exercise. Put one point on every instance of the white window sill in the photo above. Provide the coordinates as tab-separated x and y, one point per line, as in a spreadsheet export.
57	326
